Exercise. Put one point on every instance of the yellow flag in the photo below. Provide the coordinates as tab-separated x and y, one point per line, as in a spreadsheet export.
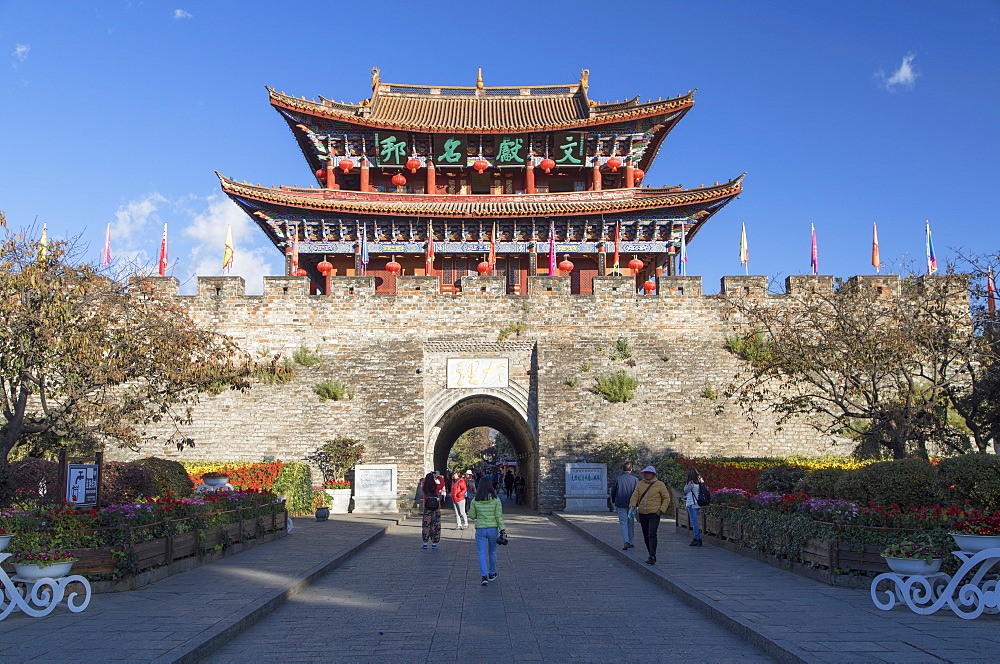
227	252
43	244
876	263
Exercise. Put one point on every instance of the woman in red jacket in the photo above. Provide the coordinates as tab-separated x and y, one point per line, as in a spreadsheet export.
459	489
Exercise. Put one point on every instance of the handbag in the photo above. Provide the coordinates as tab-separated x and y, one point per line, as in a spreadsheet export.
502	538
431	503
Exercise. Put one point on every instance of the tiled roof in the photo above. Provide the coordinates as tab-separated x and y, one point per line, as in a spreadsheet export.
515	205
480	111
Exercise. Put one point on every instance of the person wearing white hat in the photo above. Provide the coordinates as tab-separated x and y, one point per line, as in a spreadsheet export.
651	499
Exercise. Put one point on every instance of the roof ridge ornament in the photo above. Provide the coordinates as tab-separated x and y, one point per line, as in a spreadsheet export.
375	78
479	78
584	78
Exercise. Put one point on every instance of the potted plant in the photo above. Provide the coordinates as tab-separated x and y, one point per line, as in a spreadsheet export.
335	459
914	556
42	562
4	538
978	533
215	479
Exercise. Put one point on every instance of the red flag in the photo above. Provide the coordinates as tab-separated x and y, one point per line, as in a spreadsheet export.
295	247
163	253
876	261
492	260
814	256
618	234
991	293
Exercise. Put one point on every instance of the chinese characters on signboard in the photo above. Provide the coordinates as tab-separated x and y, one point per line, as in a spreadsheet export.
81	484
511	151
391	148
566	148
450	149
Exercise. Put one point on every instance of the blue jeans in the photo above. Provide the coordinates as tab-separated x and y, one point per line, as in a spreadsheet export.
693	517
627	524
486	542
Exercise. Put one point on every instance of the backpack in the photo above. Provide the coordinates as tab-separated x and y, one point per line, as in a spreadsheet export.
431	503
704	497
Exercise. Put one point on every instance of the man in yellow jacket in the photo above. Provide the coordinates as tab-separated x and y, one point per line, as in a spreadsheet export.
651	499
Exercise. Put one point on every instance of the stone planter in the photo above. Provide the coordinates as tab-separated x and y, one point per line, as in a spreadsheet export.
341	500
4	541
215	481
32	572
976	543
913	565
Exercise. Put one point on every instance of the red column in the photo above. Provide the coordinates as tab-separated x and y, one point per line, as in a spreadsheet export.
529	177
431	178
331	174
365	176
596	178
629	174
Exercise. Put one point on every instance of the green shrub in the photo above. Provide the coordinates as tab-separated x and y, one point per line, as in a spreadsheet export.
821	483
780	479
902	482
337	457
333	390
617	387
294	484
622	350
752	347
125	483
975	477
168	476
670	472
306	357
507	330
852	485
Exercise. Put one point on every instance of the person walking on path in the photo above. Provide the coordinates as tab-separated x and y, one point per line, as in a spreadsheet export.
431	527
694	483
651	499
470	489
519	488
458	496
621	495
508	483
487	512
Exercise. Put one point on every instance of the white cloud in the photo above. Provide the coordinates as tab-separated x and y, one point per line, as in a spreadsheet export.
207	230
905	76
20	54
135	223
180	13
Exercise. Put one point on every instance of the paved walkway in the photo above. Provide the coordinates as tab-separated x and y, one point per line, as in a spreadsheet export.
188	614
558	598
307	597
794	618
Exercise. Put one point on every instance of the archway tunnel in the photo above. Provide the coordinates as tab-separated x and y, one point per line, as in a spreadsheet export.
495	413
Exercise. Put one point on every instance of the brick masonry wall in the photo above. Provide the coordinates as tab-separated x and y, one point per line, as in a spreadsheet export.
391	351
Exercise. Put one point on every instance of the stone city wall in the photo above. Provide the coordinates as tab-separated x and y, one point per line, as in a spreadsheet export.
390	350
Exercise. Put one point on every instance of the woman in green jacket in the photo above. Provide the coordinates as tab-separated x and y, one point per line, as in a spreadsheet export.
487	512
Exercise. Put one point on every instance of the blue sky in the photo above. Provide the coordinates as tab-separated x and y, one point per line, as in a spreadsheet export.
841	113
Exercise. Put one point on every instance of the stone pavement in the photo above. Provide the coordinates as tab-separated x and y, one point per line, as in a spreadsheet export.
793	618
185	615
558	598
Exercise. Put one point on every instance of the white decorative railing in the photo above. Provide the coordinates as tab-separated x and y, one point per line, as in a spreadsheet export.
39	597
969	594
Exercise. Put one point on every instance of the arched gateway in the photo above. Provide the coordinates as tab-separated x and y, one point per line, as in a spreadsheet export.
478	385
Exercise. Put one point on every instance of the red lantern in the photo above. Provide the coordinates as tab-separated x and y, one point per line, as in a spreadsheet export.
547	165
346	165
480	165
635	265
321	174
614	163
483	269
325	267
301	272
399	179
392	267
649	286
638	174
413	165
566	265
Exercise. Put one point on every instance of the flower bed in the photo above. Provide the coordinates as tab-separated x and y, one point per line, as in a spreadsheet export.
124	540
833	535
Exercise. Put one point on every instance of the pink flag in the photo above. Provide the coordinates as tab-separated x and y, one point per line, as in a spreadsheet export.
552	249
163	253
991	293
814	259
106	252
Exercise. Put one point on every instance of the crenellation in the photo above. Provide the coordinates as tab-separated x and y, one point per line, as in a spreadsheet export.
227	287
680	287
801	285
882	285
753	286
